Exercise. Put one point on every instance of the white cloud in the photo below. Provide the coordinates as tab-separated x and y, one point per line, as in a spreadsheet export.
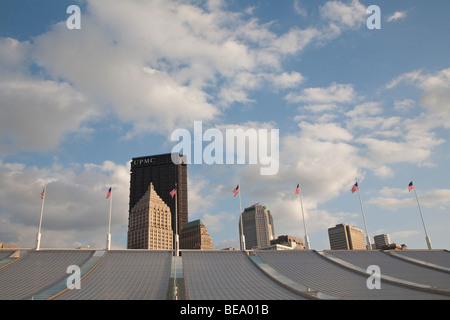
435	94
395	199
342	17
335	93
217	221
404	105
414	149
295	40
314	158
12	55
392	139
37	114
320	108
198	201
298	8
396	16
370	108
75	211
381	138
409	77
287	80
325	132
160	65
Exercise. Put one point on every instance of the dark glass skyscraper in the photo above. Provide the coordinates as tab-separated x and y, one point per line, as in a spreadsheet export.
164	174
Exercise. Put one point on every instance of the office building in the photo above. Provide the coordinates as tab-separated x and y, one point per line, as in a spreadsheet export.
258	227
163	174
382	240
150	223
195	236
289	241
345	237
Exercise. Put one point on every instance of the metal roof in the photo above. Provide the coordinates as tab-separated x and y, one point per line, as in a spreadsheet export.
218	275
126	275
397	268
225	275
194	223
36	271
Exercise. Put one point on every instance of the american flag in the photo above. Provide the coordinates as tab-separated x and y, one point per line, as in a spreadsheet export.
298	188
355	187
108	194
173	192
410	186
236	191
43	193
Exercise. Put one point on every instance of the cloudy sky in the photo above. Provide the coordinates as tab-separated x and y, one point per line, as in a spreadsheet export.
349	102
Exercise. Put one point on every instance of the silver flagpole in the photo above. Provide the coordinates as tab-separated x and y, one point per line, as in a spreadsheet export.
176	222
176	253
427	239
108	236
38	237
242	225
369	244
303	215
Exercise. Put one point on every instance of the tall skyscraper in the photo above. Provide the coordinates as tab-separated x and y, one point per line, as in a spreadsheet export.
258	226
345	237
150	225
164	174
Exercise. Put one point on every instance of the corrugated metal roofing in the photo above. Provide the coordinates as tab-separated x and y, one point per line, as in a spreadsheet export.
222	275
436	257
126	275
397	268
226	275
312	270
37	271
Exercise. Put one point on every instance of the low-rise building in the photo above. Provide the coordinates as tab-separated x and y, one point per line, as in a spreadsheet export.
195	236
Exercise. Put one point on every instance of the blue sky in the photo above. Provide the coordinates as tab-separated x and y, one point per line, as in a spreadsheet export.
349	102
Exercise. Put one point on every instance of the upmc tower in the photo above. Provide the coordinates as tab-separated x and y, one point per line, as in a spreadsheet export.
164	174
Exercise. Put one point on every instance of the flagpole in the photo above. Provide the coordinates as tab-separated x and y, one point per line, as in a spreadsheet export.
369	245
242	225
108	236
176	222
38	237
304	224
427	239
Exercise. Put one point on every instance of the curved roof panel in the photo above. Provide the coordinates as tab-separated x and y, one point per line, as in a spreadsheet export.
397	268
37	271
222	275
318	273
126	275
436	257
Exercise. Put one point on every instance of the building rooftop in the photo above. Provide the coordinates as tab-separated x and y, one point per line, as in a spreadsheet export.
194	223
224	275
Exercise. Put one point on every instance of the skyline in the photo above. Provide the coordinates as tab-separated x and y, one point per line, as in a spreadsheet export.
349	102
